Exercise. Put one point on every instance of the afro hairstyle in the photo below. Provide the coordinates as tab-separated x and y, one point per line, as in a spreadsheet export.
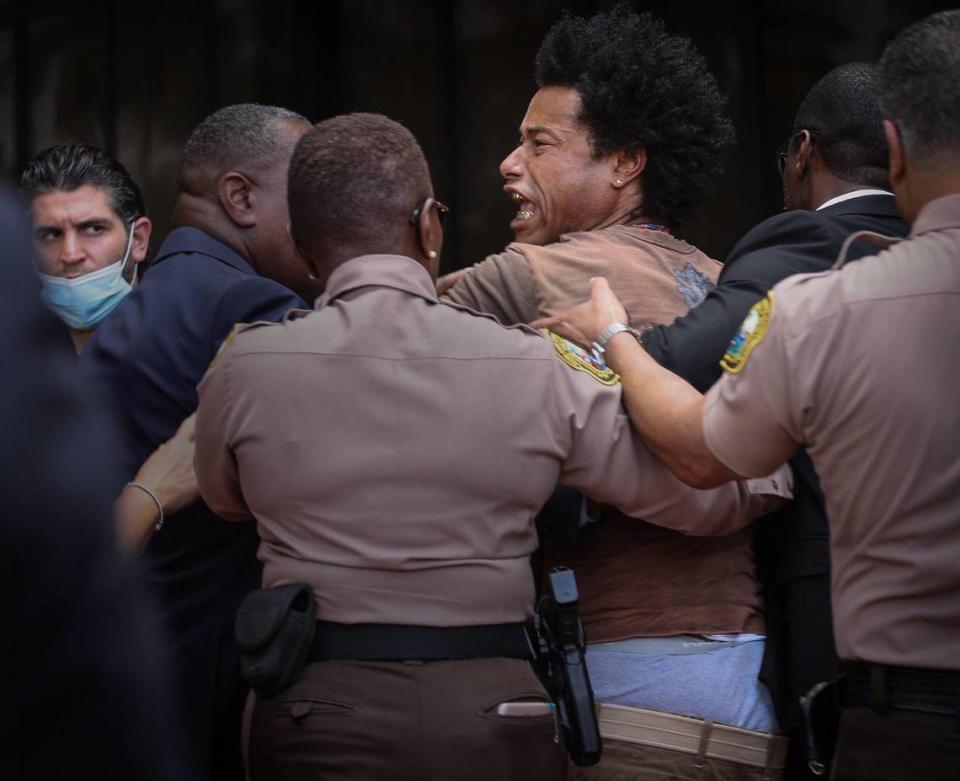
641	87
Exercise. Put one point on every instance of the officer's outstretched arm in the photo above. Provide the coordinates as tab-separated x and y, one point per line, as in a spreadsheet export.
665	409
607	460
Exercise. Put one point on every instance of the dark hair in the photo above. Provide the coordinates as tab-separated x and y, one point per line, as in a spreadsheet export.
355	179
920	84
639	86
70	166
842	113
233	137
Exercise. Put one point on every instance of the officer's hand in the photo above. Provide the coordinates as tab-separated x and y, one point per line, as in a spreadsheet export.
169	470
585	322
168	474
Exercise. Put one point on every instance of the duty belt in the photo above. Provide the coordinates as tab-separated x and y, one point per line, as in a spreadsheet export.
396	642
881	686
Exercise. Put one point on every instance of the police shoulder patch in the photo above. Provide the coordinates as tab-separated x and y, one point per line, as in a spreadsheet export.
583	361
751	333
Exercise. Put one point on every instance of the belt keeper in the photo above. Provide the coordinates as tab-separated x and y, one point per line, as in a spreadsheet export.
701	760
878	687
768	762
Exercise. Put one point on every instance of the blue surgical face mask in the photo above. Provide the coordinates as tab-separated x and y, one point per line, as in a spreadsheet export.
84	301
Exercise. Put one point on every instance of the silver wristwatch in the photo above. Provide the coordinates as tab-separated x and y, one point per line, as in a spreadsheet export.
599	347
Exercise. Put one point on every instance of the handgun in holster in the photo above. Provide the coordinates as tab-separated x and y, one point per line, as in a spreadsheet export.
821	721
562	666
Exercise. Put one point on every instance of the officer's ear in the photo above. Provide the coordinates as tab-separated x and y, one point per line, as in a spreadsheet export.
898	164
237	198
430	235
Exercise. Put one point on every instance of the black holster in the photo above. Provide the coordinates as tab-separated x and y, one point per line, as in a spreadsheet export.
561	665
821	723
274	629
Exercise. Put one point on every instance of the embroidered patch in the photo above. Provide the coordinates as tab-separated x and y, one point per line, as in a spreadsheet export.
583	361
693	285
751	333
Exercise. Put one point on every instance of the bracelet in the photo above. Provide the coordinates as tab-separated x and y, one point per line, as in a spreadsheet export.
133	483
599	347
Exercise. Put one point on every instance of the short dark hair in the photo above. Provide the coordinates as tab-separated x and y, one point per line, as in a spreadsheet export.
68	167
640	86
920	85
354	180
232	137
842	113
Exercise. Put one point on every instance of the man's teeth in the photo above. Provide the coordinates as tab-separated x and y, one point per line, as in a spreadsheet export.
526	208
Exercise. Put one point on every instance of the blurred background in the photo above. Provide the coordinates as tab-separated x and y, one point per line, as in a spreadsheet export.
135	77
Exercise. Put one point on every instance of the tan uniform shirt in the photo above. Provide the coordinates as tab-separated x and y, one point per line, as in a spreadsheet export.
394	451
862	366
650	270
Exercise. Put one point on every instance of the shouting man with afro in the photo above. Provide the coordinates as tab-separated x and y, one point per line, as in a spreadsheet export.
621	141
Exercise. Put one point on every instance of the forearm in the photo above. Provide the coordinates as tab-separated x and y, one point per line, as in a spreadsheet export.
135	516
667	412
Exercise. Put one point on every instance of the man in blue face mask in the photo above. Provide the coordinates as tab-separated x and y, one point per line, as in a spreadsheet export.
89	233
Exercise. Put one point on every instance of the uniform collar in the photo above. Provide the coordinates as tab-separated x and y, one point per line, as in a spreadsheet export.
193	240
938	214
396	271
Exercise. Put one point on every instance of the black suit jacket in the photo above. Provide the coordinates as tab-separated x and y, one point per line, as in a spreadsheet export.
149	355
796	242
792	545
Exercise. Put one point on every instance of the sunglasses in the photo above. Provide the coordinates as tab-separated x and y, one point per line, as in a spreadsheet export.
443	211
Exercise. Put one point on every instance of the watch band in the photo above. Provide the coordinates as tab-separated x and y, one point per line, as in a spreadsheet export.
599	347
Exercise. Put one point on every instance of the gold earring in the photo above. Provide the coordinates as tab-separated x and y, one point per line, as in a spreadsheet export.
432	254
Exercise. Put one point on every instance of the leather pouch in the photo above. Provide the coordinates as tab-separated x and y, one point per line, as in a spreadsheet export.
821	721
274	629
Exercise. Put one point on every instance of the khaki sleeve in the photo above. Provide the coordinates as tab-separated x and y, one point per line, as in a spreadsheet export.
752	417
214	461
501	285
607	461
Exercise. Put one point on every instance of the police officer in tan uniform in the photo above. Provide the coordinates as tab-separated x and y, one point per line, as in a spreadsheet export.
393	451
860	364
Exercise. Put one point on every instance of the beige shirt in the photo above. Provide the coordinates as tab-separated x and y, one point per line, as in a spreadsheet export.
862	366
394	451
650	270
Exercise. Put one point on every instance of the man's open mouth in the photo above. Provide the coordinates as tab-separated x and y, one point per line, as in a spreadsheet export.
526	208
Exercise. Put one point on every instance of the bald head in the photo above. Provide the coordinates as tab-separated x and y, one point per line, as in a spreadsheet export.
242	137
354	182
843	112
